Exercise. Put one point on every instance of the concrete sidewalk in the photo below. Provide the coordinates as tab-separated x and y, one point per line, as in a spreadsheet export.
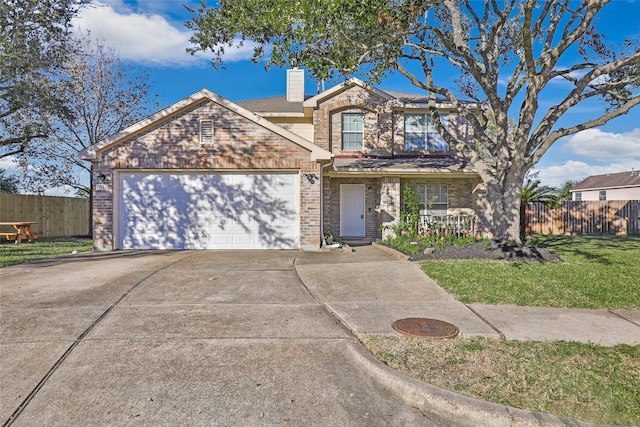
370	288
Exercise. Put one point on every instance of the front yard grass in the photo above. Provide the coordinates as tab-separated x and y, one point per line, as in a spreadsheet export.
584	381
597	272
11	253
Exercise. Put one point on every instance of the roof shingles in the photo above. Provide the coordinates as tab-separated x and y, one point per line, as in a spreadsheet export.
612	180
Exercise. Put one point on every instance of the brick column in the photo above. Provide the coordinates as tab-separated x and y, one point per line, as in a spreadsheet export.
390	194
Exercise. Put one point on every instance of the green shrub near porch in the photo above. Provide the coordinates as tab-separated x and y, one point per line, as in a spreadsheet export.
414	231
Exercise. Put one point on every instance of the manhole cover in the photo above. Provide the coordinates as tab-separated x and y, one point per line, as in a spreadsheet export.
423	327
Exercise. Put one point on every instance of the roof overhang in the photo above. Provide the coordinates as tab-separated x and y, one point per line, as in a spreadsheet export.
402	166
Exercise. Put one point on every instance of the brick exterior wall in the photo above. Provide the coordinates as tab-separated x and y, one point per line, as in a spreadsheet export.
383	124
371	205
174	145
377	122
384	137
390	203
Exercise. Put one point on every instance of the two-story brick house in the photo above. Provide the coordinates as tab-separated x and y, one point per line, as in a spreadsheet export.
275	172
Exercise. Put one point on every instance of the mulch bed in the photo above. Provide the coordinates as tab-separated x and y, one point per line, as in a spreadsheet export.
496	250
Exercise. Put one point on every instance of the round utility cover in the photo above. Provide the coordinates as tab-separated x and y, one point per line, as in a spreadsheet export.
423	327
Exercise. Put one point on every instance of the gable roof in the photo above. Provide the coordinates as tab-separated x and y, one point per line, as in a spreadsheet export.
347	84
611	180
279	106
90	153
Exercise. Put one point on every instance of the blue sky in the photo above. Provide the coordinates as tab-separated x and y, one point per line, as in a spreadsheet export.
151	34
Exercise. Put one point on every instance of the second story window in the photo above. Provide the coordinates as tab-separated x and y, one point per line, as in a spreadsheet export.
352	131
602	195
577	196
420	133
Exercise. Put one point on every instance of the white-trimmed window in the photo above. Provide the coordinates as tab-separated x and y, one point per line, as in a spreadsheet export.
352	131
420	133
602	195
206	131
434	198
578	196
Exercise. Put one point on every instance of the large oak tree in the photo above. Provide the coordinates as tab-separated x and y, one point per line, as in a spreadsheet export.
505	54
34	36
103	95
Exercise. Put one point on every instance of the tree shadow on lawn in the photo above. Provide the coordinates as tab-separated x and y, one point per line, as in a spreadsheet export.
592	248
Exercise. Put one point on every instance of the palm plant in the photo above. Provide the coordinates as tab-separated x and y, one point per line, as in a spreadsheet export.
532	191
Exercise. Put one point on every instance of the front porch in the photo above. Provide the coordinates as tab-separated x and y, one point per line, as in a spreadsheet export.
358	210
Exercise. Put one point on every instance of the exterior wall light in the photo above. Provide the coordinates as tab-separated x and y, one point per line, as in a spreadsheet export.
311	177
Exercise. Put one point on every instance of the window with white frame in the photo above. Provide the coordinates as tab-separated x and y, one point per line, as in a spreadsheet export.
206	131
578	196
434	198
602	195
421	134
352	131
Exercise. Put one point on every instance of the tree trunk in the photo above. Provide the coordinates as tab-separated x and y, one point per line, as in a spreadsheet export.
504	195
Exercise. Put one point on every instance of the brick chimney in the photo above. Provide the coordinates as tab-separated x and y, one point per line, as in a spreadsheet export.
295	85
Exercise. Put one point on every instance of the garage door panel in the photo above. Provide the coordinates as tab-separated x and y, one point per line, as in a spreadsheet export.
220	239
208	211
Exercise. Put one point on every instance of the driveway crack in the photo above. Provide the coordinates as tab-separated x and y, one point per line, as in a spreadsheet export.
77	341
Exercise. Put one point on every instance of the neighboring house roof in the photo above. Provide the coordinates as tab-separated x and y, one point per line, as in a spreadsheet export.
403	165
611	180
90	153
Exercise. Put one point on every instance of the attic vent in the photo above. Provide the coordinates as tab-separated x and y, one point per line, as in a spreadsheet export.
206	131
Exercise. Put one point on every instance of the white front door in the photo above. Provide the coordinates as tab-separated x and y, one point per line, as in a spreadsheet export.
352	210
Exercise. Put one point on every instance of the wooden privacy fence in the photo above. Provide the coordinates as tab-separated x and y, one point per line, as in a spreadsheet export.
620	217
55	216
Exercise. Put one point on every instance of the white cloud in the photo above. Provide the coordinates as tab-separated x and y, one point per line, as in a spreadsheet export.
596	144
145	38
558	174
591	152
8	164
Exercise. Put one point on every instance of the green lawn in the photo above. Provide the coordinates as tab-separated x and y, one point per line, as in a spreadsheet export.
583	381
597	272
11	253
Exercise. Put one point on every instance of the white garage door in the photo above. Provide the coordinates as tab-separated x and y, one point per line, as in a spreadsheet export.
208	211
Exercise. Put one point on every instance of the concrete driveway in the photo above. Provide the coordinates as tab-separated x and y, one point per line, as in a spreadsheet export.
181	338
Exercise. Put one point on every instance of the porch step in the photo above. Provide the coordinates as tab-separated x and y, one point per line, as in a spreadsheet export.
357	241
